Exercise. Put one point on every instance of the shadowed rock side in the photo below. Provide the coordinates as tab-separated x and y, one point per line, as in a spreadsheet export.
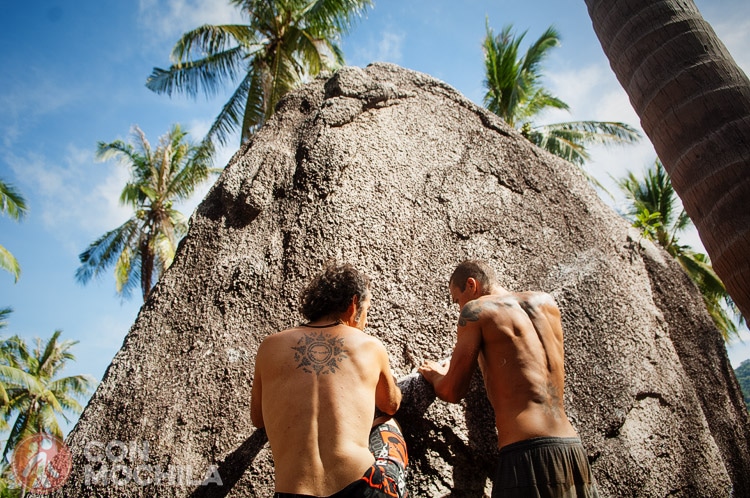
397	173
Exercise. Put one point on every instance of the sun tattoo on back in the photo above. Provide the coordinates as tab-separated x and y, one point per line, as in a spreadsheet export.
470	313
319	353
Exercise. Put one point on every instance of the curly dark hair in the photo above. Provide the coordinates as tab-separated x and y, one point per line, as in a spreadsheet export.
476	269
332	291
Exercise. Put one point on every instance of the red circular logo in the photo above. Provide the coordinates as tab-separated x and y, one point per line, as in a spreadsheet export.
41	463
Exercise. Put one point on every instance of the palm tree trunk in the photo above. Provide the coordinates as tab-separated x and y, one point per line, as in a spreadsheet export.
694	104
147	265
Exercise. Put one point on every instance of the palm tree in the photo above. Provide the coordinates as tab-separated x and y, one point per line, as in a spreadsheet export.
283	42
515	93
656	210
693	101
35	391
144	246
6	357
13	204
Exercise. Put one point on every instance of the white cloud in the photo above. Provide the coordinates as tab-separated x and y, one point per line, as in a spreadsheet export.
24	101
389	47
386	48
168	19
735	34
73	194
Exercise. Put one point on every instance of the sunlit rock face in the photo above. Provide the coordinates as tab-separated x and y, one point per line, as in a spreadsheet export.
397	173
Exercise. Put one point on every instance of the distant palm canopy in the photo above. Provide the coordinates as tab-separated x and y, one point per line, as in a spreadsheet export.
515	93
32	391
283	42
656	210
13	205
144	246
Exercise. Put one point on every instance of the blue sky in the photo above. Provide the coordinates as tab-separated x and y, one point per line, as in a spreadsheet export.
74	72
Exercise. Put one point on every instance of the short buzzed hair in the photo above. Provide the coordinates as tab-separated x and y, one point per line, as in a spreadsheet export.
332	291
476	269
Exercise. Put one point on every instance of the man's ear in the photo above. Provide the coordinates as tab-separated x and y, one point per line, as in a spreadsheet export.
351	310
472	284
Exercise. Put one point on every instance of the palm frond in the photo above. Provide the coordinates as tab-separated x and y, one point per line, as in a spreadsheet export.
69	404
9	263
512	80
14	378
284	72
208	74
105	250
15	352
4	314
332	17
127	271
234	110
538	102
212	39
570	140
12	202
46	418
312	51
561	142
600	132
117	149
18	432
538	51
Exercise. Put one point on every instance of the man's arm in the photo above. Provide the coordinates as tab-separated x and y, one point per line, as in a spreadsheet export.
387	393
452	379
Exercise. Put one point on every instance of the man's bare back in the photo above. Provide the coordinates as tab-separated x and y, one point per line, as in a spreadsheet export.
517	340
327	377
521	358
315	390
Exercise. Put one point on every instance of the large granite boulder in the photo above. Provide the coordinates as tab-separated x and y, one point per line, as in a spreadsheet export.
397	173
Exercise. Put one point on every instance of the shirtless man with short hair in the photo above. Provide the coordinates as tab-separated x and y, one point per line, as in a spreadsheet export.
316	388
517	341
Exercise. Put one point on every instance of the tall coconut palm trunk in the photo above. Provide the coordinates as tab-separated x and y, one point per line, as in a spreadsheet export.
694	104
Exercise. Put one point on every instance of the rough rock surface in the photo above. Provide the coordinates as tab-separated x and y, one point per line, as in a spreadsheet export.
399	174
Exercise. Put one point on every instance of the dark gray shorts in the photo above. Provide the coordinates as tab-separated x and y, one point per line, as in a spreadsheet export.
544	467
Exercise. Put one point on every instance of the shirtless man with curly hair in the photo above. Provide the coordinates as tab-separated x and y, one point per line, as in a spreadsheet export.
316	388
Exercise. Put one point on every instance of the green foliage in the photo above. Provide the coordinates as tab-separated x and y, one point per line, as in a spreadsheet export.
649	223
512	81
284	42
8	486
655	209
32	390
743	376
4	313
144	246
515	93
12	204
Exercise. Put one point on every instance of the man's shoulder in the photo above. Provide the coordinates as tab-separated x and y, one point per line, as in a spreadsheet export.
536	301
535	298
497	303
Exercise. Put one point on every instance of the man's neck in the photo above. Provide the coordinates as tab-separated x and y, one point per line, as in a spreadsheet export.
328	320
497	290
